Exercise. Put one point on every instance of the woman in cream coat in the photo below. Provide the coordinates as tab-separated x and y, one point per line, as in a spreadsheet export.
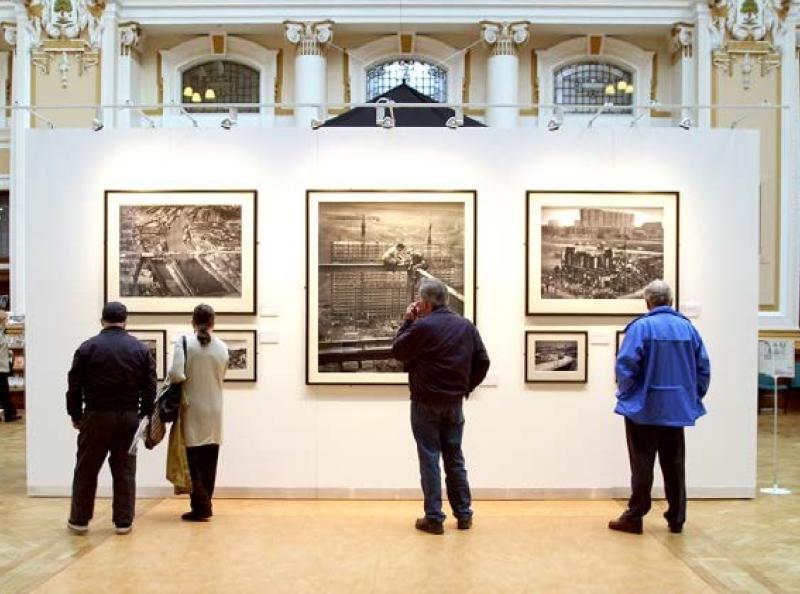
202	372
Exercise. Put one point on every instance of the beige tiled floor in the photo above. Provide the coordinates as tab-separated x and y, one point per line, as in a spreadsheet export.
357	546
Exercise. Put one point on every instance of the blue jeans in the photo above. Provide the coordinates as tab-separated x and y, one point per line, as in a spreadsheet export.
438	429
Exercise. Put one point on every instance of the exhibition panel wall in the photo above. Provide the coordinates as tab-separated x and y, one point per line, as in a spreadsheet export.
285	438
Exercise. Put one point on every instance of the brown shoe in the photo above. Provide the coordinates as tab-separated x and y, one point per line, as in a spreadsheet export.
429	526
626	524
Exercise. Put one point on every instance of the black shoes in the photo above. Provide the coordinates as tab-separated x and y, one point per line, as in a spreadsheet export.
464	523
626	524
76	528
195	517
673	527
429	526
12	419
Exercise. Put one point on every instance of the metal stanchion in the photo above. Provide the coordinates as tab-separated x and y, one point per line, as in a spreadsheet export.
774	489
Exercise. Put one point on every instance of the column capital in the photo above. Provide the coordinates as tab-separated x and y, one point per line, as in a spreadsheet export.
130	34
310	37
504	37
10	34
682	40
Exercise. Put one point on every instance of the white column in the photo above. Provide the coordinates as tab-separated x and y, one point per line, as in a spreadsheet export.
19	37
109	49
310	68
685	70
502	71
787	317
707	39
129	35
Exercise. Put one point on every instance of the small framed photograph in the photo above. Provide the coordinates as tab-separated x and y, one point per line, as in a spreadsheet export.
620	339
556	356
156	342
242	359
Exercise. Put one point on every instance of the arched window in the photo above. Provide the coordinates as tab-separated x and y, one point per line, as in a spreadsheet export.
220	81
429	79
590	84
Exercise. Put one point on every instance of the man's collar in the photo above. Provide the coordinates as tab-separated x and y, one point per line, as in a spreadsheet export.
110	328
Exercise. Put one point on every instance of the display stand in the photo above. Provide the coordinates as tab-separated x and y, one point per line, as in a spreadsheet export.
771	348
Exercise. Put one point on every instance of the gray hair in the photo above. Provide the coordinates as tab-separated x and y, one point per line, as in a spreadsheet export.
658	293
434	292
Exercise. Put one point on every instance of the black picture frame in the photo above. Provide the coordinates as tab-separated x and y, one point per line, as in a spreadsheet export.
583	337
349	381
252	336
250	302
161	370
674	280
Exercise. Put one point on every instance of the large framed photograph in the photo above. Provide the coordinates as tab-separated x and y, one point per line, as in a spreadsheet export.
167	251
593	253
367	253
242	354
156	342
556	356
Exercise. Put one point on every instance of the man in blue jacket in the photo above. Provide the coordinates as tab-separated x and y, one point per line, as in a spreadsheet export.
446	360
663	372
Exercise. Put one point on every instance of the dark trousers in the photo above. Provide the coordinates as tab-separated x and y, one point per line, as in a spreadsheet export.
644	441
203	469
105	433
438	430
5	398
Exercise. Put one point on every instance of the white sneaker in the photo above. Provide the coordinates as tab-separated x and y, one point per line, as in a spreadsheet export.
123	529
77	528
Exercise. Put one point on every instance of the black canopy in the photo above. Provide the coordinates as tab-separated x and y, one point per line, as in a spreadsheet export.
419	117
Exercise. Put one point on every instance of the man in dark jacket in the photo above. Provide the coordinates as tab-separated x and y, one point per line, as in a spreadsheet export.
112	384
446	360
663	373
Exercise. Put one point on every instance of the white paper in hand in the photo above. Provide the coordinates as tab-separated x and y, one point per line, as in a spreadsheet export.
139	435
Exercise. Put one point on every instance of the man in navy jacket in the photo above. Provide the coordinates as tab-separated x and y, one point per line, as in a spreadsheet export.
663	373
446	360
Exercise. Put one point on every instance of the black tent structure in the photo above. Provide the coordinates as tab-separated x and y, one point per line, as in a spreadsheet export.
413	117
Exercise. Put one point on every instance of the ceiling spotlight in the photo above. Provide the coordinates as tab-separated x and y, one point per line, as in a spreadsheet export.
381	118
556	121
607	105
150	122
231	120
48	122
185	113
735	123
316	124
686	123
455	121
97	122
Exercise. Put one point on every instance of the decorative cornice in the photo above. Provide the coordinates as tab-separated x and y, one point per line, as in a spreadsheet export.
64	19
310	37
682	41
504	37
130	34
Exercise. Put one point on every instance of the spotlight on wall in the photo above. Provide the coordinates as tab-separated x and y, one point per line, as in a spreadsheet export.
188	115
231	120
455	121
48	122
97	121
150	122
607	105
316	123
556	121
686	124
735	123
634	121
381	118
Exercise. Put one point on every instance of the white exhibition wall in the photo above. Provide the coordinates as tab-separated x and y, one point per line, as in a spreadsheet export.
283	438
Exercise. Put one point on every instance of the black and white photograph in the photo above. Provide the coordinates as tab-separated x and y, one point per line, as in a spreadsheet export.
156	342
242	359
556	356
595	253
368	253
166	250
